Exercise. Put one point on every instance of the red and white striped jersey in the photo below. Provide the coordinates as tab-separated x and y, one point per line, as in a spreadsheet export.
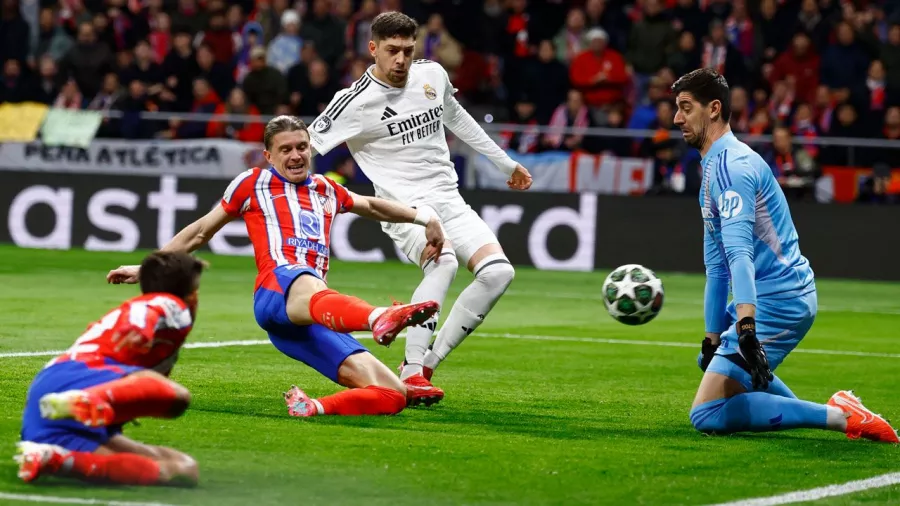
288	224
161	318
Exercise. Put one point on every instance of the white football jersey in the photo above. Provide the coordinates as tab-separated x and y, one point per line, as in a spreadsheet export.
396	135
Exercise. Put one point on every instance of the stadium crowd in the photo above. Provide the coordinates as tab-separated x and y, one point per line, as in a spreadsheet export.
798	68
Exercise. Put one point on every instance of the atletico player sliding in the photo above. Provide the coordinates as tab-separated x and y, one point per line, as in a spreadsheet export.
114	373
289	213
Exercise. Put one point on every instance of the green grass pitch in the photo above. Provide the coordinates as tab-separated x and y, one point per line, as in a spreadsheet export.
541	406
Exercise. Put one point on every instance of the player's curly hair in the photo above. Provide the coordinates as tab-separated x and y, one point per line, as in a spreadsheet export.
171	272
706	85
393	24
280	124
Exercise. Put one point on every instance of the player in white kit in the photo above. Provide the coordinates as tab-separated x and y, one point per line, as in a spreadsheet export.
392	120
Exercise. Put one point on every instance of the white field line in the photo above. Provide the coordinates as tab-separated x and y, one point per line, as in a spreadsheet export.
814	494
73	500
529	337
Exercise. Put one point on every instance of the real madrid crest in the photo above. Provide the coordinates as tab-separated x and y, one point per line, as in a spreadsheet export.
429	92
322	125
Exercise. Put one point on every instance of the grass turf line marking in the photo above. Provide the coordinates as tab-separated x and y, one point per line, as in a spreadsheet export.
74	500
814	494
529	337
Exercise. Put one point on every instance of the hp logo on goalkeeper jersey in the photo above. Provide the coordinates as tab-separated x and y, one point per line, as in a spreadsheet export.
730	204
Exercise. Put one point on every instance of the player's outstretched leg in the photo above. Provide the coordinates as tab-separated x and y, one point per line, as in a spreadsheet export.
723	406
311	301
373	390
144	465
493	275
142	394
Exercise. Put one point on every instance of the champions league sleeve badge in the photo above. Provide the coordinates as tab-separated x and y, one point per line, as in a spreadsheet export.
322	125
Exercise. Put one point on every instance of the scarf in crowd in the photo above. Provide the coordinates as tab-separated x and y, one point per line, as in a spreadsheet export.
714	56
560	120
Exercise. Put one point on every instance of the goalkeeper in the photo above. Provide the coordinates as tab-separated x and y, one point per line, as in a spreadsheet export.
750	240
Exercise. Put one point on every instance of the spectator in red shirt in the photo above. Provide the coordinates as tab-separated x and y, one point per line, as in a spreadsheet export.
219	38
802	62
599	72
250	131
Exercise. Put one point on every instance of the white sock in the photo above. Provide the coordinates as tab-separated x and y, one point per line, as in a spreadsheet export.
378	311
836	419
438	276
492	276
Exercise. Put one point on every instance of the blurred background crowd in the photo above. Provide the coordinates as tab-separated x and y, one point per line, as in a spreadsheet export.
799	69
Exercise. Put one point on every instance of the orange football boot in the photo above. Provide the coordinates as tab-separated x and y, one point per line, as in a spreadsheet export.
398	317
860	421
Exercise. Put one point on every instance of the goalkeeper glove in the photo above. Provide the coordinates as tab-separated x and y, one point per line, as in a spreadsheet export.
707	352
754	354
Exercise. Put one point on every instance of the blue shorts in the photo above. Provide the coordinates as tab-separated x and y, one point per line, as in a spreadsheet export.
315	345
780	326
61	377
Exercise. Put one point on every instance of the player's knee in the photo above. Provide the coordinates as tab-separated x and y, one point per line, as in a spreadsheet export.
179	472
181	402
446	264
705	418
497	276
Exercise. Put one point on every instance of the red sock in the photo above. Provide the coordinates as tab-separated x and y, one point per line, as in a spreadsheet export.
134	397
121	468
339	312
371	400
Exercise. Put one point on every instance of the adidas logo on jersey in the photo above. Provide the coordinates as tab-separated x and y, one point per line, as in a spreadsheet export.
388	113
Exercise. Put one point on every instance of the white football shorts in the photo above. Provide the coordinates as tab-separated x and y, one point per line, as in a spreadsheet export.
463	228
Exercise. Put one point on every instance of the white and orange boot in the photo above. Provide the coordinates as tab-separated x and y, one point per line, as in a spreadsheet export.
861	422
37	458
77	405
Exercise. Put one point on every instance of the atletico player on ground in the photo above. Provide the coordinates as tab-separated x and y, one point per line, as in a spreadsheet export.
115	372
288	213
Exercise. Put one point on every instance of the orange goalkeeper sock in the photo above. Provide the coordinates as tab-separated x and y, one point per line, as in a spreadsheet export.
339	312
371	400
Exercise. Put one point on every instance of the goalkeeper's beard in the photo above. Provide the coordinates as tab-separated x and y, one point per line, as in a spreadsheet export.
699	139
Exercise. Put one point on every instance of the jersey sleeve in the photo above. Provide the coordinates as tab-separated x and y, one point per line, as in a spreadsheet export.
340	121
342	194
715	296
735	197
464	126
236	199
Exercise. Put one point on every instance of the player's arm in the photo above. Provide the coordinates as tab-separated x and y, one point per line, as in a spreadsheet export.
198	233
189	239
715	297
716	292
736	201
393	212
464	126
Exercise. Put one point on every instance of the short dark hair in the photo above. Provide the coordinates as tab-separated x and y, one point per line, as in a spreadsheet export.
706	85
171	272
393	24
281	124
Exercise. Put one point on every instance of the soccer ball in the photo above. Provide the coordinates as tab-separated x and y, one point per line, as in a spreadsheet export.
633	294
